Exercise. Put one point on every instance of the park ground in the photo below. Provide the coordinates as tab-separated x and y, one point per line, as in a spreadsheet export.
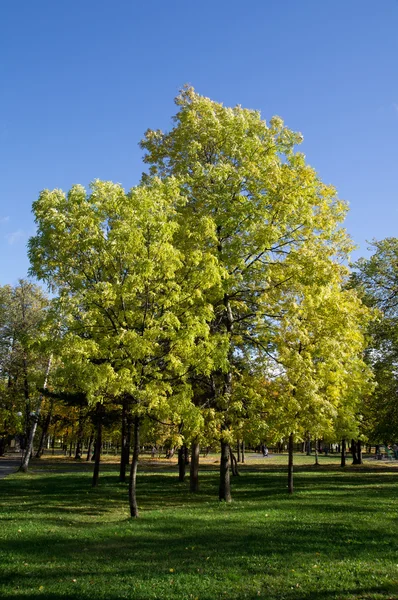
336	538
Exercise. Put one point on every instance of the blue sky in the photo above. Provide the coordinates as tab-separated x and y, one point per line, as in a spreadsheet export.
82	80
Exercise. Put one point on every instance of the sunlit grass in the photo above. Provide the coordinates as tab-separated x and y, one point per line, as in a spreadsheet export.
336	538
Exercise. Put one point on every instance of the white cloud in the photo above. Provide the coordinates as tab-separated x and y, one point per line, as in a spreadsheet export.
15	236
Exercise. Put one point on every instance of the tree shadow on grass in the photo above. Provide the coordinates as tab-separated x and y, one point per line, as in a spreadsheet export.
71	531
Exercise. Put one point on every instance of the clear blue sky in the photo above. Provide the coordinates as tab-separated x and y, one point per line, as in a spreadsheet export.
82	80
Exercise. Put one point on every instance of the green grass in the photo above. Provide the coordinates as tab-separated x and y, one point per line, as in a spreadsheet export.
337	537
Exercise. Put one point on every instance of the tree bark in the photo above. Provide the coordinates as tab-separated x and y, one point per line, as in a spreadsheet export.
194	470
355	458
233	462
53	441
343	453
359	453
243	452
238	450
316	452
44	433
290	465
29	447
79	441
181	463
124	448
133	470
90	442
98	445
225	480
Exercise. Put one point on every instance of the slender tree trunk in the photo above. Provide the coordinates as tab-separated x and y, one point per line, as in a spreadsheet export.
29	446
233	462
238	450
181	463
98	445
243	452
290	465
133	470
225	481
186	455
44	432
316	452
124	448
194	470
79	442
53	441
309	445
359	453
354	452
27	401
90	442
343	452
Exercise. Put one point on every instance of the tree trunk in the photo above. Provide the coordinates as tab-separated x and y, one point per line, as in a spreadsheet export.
290	465
316	452
90	442
29	447
354	452
359	453
194	470
133	470
53	441
238	450
243	452
225	482
343	455
44	433
123	453
233	462
181	463
98	445
309	445
71	443
79	442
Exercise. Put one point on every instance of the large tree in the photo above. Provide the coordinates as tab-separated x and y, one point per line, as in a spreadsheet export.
134	311
268	218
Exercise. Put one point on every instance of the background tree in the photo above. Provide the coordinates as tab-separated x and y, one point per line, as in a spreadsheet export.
376	278
23	323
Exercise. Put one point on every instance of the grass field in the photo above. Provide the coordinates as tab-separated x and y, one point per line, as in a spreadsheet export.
336	538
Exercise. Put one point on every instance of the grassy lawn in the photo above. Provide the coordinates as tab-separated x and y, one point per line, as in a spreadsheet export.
337	537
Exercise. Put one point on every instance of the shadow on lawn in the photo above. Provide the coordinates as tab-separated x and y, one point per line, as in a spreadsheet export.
261	534
389	591
190	540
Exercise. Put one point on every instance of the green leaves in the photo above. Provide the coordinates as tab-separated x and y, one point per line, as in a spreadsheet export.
221	271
